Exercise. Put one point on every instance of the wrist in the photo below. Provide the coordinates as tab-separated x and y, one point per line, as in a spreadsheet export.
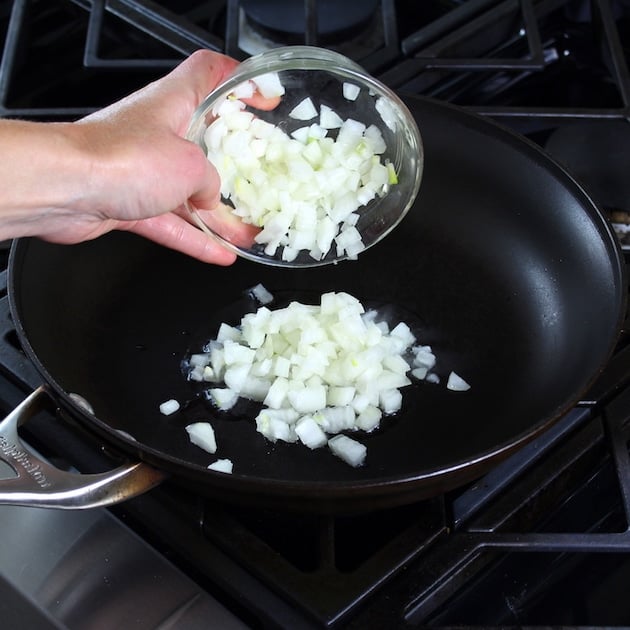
44	169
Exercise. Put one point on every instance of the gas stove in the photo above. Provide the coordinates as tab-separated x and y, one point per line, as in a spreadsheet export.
542	540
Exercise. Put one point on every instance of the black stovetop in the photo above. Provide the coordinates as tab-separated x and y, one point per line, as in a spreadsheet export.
542	540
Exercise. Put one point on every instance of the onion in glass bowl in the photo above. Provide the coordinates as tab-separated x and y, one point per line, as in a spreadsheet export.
318	160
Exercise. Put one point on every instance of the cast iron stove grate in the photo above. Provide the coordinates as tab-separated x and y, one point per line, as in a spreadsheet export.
503	58
541	540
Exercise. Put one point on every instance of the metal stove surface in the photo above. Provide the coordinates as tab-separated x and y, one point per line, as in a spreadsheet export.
79	569
541	541
87	570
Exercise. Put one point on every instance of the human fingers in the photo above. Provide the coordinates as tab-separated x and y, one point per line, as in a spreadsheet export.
209	69
203	71
258	101
169	101
207	185
174	232
232	228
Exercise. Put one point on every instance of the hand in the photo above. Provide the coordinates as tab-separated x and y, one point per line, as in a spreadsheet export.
125	167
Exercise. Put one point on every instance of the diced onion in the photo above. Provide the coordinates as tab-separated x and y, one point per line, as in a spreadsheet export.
420	373
369	418
303	189
304	110
319	371
222	465
169	407
261	294
456	383
201	434
269	85
244	90
329	119
390	400
351	91
274	426
310	433
224	398
384	108
349	450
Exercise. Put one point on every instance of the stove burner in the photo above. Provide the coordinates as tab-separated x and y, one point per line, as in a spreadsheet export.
351	27
288	19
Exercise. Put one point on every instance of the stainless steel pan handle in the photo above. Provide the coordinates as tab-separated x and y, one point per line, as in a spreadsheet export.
38	483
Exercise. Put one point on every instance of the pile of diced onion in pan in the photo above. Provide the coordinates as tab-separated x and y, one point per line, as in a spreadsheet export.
324	374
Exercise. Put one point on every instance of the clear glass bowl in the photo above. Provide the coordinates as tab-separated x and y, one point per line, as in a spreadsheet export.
261	181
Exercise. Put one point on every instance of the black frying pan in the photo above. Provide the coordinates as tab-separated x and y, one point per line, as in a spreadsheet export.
504	266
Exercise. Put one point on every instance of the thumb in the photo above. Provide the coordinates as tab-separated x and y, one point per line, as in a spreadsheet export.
208	193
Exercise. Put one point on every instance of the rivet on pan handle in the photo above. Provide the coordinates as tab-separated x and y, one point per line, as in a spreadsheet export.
39	484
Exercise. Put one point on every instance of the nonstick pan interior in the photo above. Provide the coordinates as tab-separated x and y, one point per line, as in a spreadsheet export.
504	266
